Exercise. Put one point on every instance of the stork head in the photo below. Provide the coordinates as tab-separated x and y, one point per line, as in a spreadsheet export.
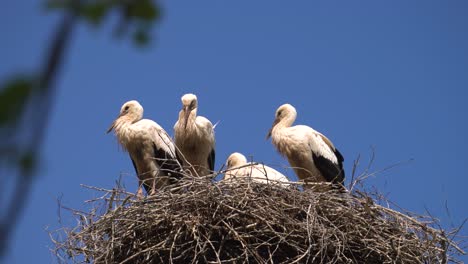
189	104
131	112
285	114
235	160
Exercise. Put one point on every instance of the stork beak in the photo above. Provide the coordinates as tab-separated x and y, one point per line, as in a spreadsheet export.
271	129
112	126
186	116
269	134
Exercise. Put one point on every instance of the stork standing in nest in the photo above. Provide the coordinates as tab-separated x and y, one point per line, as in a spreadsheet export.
312	155
238	167
194	138
150	148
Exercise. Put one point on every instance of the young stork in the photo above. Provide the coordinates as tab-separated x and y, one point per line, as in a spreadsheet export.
312	156
150	148
194	138
237	166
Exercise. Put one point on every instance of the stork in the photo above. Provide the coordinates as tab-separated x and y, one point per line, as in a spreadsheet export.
149	146
194	138
313	156
237	166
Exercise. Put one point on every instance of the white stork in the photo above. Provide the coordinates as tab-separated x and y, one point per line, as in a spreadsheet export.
194	138
312	156
237	166
150	148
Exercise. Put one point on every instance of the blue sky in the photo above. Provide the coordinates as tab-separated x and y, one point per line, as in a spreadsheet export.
392	75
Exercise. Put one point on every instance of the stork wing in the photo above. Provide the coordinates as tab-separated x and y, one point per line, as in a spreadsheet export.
164	153
145	183
211	160
326	140
324	155
339	157
208	129
167	163
332	147
134	165
330	171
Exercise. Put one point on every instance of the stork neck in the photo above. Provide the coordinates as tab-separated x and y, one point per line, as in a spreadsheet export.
122	130
193	114
191	117
238	162
121	124
287	121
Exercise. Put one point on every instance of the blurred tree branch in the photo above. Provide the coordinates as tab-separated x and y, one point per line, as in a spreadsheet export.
26	99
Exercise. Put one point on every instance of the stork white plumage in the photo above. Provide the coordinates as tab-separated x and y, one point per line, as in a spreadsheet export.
312	156
238	167
194	138
150	148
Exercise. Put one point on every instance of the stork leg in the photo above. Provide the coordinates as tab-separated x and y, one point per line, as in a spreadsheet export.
139	193
153	186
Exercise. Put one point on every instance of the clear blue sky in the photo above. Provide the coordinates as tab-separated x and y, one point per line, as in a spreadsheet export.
387	74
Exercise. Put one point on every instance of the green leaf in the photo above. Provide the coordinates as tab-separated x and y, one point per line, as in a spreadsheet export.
141	37
13	97
144	10
28	163
95	12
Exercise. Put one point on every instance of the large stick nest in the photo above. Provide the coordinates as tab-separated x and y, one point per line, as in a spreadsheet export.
200	221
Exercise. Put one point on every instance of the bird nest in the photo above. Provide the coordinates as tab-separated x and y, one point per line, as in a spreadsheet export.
201	221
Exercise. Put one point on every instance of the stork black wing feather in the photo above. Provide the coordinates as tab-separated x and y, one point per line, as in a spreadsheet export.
134	165
340	157
330	171
145	185
211	159
167	163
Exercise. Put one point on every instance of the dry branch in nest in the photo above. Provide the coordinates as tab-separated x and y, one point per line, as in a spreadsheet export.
200	221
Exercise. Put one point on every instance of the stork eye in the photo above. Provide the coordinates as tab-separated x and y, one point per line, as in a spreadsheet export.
126	108
279	113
